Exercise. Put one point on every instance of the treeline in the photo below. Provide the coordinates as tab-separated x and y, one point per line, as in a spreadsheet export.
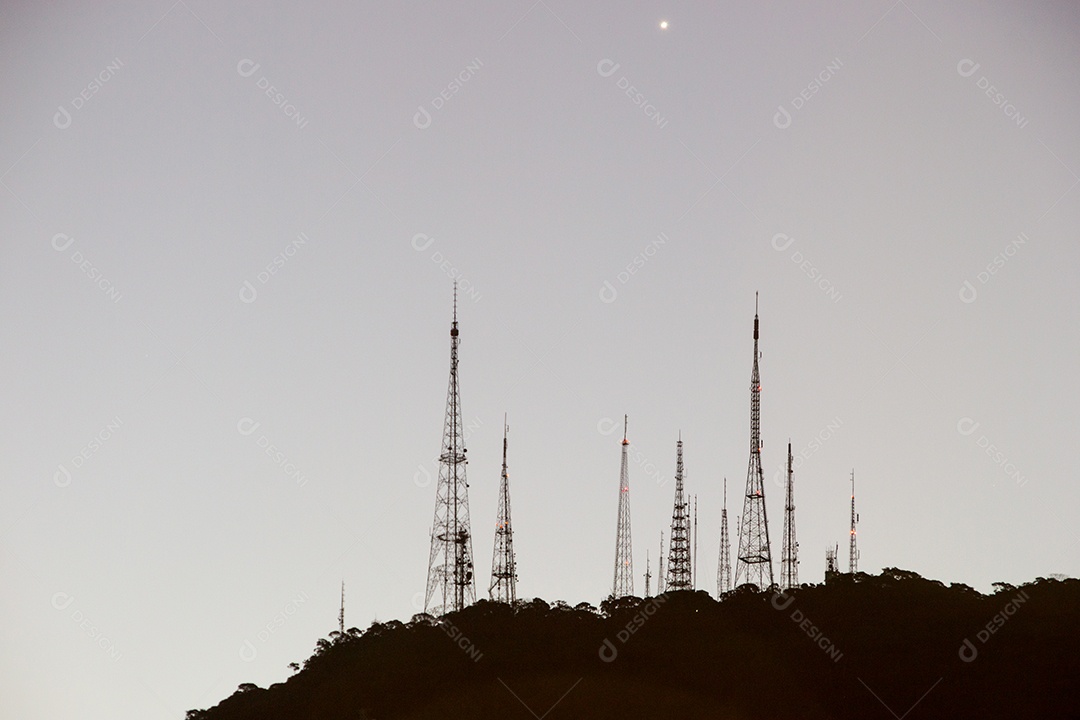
891	645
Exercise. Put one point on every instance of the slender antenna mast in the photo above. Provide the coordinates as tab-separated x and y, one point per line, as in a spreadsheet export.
853	550
503	587
623	584
755	556
789	556
660	586
648	574
679	571
693	560
450	585
723	570
341	615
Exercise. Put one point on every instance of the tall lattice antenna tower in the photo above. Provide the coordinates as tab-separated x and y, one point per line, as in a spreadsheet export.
679	570
853	550
648	574
623	585
723	568
755	556
503	587
789	556
341	615
660	588
450	585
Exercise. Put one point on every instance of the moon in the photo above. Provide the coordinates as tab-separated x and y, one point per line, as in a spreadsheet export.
663	24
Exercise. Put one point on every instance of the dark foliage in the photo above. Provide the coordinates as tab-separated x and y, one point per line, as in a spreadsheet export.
858	647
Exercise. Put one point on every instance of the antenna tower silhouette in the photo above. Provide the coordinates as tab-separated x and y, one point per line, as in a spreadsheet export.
341	615
623	584
660	588
450	585
789	556
679	571
755	556
648	574
723	568
694	558
853	550
503	587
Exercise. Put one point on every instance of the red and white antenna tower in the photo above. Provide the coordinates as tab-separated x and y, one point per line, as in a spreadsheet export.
789	556
755	556
623	584
853	550
679	570
723	568
503	587
450	585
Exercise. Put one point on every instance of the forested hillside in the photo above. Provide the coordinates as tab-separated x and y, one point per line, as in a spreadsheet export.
892	645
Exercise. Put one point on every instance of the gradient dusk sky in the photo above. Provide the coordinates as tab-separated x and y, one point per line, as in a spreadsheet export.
230	233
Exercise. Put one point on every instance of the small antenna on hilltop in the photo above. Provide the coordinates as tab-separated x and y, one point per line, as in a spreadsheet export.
341	615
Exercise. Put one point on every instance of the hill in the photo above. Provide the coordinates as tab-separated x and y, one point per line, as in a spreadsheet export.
892	645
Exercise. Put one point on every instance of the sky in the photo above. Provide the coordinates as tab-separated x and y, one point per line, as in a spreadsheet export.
230	234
